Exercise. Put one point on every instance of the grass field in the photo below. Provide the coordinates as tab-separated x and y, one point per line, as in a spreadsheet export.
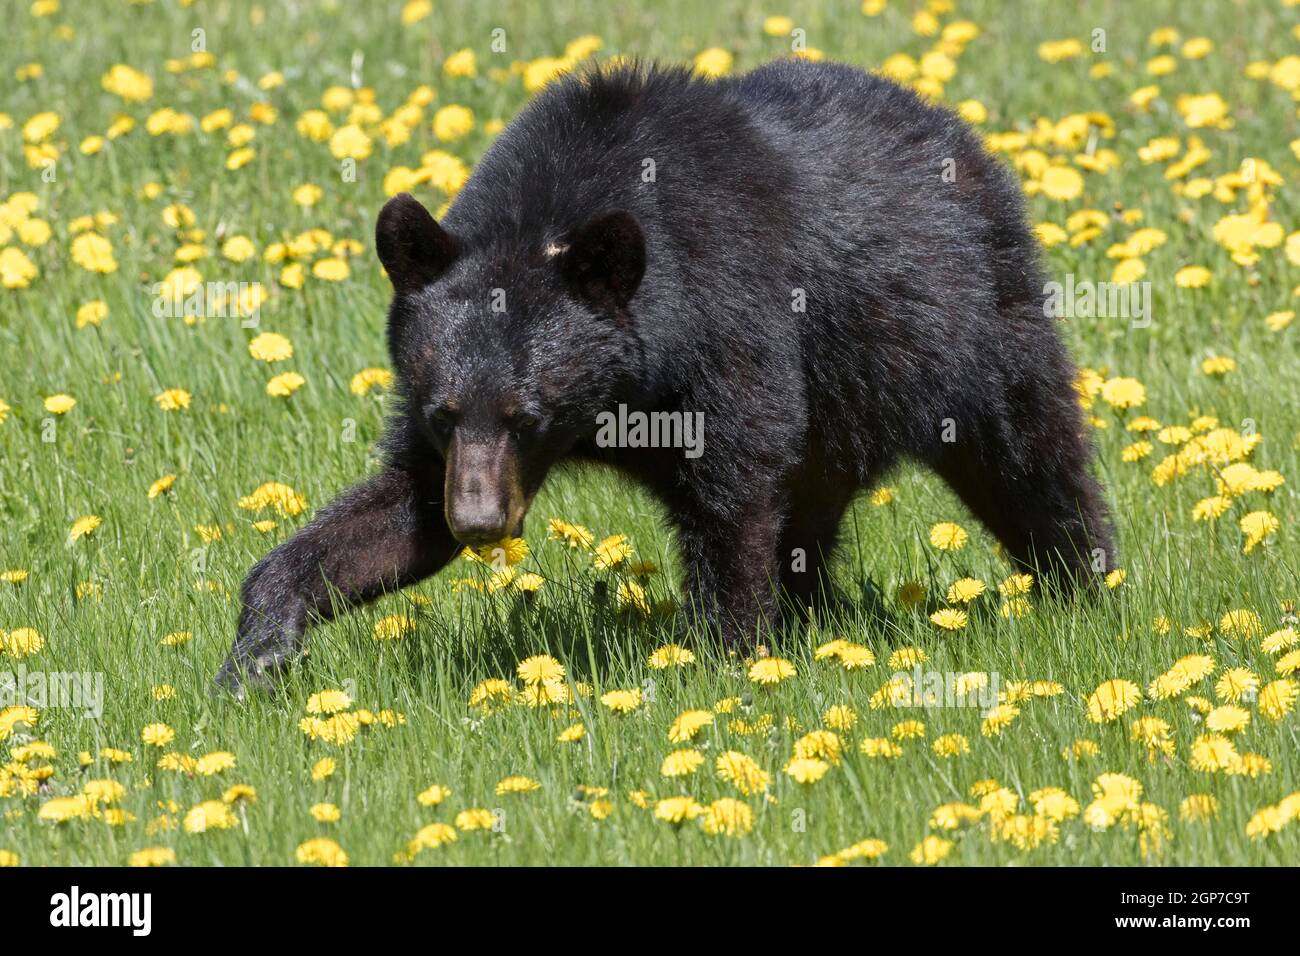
1163	713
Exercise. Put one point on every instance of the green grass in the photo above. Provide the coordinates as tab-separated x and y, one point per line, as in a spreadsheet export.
107	451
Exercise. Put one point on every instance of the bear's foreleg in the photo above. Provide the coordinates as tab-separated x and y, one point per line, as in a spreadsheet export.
817	501
384	533
732	572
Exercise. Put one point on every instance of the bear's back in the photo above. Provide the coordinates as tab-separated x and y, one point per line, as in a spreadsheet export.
653	139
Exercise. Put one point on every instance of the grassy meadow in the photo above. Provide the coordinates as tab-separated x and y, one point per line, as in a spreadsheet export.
558	712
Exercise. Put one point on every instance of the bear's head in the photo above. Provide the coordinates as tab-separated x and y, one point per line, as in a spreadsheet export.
506	348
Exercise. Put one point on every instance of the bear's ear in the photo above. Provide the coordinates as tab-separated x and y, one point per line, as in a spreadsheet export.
414	249
605	259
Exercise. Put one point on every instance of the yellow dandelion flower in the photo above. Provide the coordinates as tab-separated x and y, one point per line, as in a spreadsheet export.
948	536
771	670
1112	699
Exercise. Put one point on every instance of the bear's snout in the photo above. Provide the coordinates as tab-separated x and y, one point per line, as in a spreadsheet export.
484	500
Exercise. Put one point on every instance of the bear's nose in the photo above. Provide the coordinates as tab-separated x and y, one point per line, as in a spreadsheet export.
476	525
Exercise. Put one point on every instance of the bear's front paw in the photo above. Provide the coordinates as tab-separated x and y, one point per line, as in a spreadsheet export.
241	675
255	668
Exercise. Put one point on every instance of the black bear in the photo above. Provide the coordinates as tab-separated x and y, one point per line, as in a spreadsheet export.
824	270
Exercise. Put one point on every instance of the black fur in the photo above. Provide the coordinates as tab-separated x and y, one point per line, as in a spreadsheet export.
677	292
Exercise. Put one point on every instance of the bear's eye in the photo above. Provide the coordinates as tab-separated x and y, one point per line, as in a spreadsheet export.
523	423
442	419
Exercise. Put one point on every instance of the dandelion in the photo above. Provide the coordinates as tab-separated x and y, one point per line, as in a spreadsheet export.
370	379
840	717
152	856
904	658
1286	665
161	486
429	837
571	734
540	669
517	784
1112	699
965	590
1242	623
1257	526
806	770
880	747
727	816
632	596
1061	183
949	619
622	701
1185	672
742	772
393	627
612	551
677	810
436	794
1192	277
284	384
855	657
931	851
1213	752
63	809
92	313
1227	719
948	536
687	724
713	62
771	670
273	494
325	813
462	63
1016	585
350	142
214	763
130	84
1278	698
21	642
681	763
328	702
209	815
1124	393
1218	365
414	11
84	527
173	400
998	719
332	269
1278	640
823	744
321	851
157	735
60	404
270	347
951	745
670	655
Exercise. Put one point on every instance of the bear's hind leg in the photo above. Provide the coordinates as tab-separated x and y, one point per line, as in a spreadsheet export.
1030	484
